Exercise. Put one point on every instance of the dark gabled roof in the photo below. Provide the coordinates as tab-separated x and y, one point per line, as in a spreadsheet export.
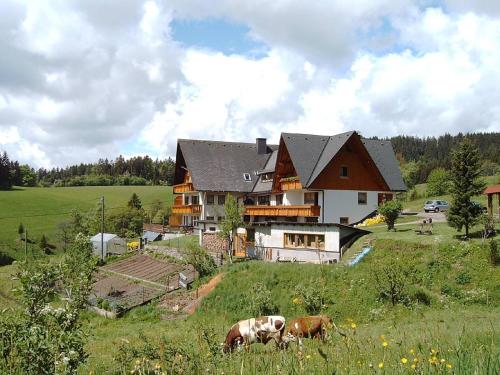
219	166
304	150
333	146
267	186
383	155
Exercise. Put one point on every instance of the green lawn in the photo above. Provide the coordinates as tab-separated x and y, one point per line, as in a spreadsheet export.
41	209
418	204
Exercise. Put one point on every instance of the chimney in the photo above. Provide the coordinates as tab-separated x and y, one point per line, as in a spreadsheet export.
261	145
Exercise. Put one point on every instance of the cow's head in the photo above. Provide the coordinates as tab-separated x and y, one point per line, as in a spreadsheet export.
287	339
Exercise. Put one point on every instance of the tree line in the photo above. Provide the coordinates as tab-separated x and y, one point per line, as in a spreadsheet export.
418	157
137	170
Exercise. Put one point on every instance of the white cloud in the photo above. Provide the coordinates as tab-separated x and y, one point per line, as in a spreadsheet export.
82	80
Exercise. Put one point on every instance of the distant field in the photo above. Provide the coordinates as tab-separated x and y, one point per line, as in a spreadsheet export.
41	209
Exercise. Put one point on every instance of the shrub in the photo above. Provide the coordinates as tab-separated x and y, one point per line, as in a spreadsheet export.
463	278
202	262
260	302
311	297
421	296
390	210
391	282
438	182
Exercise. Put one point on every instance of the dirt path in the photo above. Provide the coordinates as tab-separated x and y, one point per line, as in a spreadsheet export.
202	292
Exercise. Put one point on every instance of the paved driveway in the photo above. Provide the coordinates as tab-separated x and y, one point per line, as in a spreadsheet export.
437	217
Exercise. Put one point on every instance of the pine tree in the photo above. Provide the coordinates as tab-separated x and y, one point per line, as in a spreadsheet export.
20	230
465	184
134	202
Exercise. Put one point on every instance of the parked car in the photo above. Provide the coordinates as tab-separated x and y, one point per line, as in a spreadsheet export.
436	206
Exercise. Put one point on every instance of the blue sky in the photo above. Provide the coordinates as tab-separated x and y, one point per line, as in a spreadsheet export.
216	34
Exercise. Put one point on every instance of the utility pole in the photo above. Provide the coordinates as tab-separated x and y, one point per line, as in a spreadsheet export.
102	228
26	245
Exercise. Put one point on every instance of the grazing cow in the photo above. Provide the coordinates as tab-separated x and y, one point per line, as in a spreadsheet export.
309	327
262	329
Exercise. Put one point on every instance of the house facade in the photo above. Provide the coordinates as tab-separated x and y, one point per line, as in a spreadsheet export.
300	197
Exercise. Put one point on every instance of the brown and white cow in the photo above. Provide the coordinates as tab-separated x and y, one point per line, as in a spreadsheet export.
262	329
309	327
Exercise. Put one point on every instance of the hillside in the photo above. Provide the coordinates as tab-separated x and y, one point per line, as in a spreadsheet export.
41	209
446	318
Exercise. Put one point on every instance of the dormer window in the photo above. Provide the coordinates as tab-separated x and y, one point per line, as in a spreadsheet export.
247	177
344	172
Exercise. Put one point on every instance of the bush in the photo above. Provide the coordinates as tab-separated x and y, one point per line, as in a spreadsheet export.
438	182
260	302
391	282
463	278
202	262
390	210
421	296
311	297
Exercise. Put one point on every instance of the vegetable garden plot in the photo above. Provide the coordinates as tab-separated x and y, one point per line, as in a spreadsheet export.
134	281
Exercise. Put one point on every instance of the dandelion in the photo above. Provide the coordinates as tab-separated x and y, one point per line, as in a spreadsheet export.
414	366
385	343
415	360
412	351
443	360
296	301
308	356
404	361
381	365
137	362
353	325
449	365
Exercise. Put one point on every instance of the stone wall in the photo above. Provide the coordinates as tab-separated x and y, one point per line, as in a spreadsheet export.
213	243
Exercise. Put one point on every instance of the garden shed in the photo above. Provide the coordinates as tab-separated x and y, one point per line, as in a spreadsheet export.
112	244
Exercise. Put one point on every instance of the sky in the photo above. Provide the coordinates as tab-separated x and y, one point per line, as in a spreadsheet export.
87	79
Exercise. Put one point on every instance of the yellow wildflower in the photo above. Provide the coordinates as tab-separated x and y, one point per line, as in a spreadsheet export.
412	351
381	365
353	325
449	365
296	301
415	360
384	344
404	360
137	362
414	366
443	360
157	366
308	356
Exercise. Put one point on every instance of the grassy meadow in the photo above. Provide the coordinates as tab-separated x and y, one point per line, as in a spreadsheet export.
41	209
447	324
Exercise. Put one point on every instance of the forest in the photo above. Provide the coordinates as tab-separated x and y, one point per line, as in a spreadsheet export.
417	157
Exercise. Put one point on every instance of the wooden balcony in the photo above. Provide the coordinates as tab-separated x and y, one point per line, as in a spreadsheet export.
306	210
183	188
290	185
193	209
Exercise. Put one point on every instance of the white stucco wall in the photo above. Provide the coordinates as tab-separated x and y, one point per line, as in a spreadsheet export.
344	203
274	236
293	197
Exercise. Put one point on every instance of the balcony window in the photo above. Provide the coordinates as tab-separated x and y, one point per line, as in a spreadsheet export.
279	199
304	241
186	200
362	198
194	199
210	199
210	218
221	200
221	218
264	200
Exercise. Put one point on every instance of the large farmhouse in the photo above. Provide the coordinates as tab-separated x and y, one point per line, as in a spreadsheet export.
301	197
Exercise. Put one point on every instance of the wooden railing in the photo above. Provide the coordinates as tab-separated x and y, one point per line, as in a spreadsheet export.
290	185
188	209
305	210
157	228
183	188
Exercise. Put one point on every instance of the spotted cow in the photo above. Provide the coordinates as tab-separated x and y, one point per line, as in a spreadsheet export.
262	329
